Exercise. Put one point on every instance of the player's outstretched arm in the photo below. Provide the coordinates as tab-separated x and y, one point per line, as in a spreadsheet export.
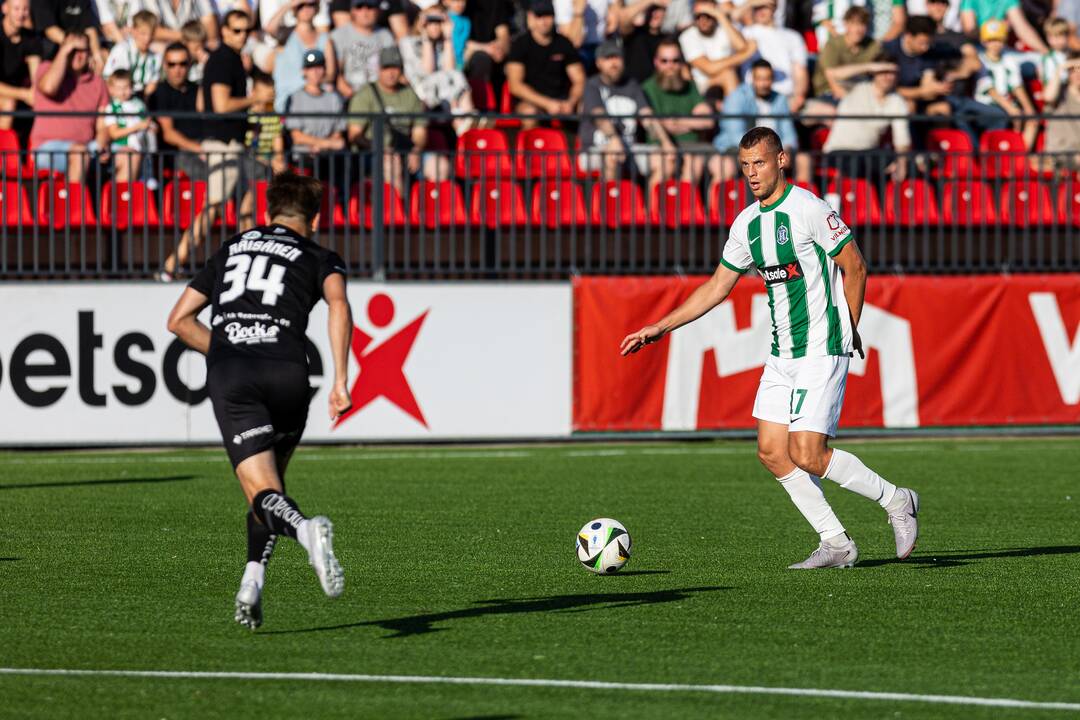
184	322
710	294
853	267
340	328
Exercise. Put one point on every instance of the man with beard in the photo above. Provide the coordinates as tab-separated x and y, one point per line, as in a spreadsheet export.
715	49
670	93
544	70
609	142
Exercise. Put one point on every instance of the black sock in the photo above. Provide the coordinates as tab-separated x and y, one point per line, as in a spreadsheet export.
260	541
278	513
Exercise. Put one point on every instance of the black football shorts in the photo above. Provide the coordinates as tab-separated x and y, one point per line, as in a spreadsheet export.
259	404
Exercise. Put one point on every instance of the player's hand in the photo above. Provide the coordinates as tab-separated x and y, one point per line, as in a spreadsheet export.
340	401
635	341
856	343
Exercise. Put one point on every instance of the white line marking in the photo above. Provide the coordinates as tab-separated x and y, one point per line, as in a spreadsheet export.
539	682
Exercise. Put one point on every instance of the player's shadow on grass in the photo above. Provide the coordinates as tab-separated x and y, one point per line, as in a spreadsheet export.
88	483
426	623
958	559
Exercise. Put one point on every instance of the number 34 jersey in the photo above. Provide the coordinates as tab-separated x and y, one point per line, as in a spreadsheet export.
791	244
262	285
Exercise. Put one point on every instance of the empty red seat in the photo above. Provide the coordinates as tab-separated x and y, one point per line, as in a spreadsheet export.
727	199
128	205
13	164
64	204
361	204
16	205
911	202
1026	203
1068	204
558	204
543	153
436	203
1004	154
967	203
859	203
481	153
957	153
182	201
498	204
677	203
618	203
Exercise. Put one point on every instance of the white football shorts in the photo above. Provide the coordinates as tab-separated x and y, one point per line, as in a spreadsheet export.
803	393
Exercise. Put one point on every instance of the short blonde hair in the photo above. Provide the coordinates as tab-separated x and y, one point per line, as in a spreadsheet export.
144	18
192	31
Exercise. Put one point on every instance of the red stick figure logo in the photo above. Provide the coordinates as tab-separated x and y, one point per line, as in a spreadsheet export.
382	368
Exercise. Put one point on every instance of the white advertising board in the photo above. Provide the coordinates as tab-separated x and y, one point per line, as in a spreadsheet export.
92	363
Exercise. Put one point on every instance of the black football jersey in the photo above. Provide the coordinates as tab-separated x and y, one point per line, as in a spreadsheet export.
263	284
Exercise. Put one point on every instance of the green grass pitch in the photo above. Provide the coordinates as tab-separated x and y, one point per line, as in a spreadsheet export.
460	562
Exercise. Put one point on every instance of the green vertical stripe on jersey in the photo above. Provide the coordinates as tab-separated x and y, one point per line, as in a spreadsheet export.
835	342
798	305
753	240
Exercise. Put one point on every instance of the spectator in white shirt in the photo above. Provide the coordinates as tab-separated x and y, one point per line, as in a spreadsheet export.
714	49
783	48
856	145
113	16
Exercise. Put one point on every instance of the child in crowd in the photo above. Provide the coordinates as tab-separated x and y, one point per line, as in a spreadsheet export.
193	35
134	55
1052	73
999	84
129	131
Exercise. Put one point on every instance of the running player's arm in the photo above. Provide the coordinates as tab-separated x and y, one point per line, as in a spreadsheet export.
184	321
340	327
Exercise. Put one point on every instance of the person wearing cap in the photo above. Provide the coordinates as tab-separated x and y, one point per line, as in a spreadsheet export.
975	13
714	49
358	44
315	140
999	88
609	144
431	68
405	133
544	71
306	36
783	48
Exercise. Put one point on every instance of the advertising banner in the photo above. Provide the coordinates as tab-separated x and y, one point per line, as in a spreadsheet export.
970	350
93	363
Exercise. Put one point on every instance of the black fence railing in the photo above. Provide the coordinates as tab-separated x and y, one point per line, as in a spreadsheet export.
506	202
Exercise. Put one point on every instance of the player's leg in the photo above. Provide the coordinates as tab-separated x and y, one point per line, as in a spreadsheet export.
804	489
816	402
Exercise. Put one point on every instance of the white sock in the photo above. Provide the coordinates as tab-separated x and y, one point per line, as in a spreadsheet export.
302	535
848	472
805	492
254	572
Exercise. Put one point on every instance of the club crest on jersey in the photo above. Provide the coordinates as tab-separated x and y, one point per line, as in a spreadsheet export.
251	235
779	274
782	235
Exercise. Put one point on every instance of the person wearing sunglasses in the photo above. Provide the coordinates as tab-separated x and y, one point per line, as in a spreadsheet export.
670	92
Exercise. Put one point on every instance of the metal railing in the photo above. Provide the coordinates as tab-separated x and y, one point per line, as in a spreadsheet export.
536	209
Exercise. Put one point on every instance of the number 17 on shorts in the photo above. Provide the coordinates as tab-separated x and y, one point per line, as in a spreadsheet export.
806	394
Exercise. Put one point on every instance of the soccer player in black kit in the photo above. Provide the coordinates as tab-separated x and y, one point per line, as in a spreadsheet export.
262	285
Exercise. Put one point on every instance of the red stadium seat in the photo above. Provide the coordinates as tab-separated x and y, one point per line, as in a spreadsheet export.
183	200
483	95
911	202
483	153
360	203
506	106
677	203
543	153
13	163
618	203
968	203
16	205
1004	154
498	204
859	204
436	204
727	199
128	205
958	154
558	204
1026	203
1068	204
64	204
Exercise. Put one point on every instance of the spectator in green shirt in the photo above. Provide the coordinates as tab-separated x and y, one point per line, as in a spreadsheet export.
854	47
973	13
404	138
669	92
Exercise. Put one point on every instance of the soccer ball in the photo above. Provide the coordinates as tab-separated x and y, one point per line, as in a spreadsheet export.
603	546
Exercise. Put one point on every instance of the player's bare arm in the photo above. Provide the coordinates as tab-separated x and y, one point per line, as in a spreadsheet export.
340	327
710	294
852	265
184	322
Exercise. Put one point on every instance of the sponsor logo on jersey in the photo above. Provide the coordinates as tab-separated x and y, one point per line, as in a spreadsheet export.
251	235
780	274
253	432
255	334
782	235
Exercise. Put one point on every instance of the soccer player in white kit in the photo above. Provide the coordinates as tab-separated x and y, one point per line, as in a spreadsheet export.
815	278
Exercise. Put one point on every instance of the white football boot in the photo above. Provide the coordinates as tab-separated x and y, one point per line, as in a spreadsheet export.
321	555
829	555
249	606
904	518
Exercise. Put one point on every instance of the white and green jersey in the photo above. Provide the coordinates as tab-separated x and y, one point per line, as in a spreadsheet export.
792	244
145	68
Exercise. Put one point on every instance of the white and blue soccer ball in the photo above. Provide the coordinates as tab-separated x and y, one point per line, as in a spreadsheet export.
603	546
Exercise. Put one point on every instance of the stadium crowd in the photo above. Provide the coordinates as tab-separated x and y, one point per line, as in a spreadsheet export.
814	70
